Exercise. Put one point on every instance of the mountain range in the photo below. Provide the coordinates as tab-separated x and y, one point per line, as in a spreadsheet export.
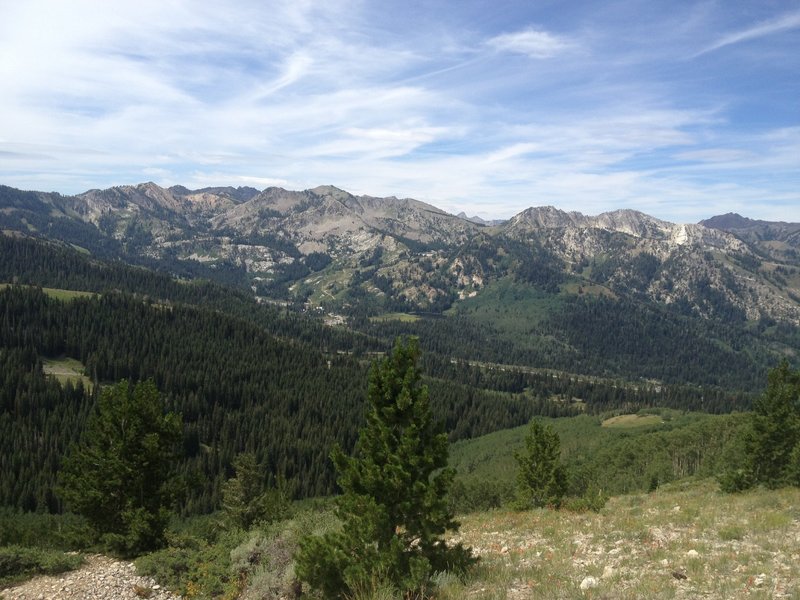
326	247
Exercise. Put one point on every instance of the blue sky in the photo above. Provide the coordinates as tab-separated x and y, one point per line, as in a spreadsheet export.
682	110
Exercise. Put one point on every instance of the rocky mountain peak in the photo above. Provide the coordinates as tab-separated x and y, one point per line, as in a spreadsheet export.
413	250
728	221
627	221
633	223
546	217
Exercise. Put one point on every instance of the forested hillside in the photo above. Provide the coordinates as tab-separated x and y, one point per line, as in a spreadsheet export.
249	376
238	388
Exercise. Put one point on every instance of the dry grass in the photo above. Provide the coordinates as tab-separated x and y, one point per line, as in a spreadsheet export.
627	421
66	369
687	540
402	317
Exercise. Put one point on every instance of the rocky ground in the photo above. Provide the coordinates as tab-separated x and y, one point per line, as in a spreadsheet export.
100	578
685	541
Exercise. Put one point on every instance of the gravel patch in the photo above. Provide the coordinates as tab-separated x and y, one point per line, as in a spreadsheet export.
100	578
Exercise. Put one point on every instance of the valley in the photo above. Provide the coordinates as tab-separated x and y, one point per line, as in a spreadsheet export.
257	316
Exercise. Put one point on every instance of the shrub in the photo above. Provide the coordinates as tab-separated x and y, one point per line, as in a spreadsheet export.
265	561
471	494
196	568
18	563
39	530
593	499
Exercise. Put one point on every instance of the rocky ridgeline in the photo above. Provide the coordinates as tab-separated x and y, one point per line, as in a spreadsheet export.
100	578
725	266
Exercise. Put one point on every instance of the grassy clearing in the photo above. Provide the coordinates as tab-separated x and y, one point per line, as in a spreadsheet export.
66	369
587	288
631	421
491	455
687	540
81	249
59	294
402	317
67	295
511	307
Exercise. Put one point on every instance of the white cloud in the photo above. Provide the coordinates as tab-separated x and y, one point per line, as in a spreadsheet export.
531	42
780	24
295	68
514	150
299	94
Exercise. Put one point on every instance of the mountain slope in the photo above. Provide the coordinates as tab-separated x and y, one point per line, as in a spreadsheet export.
775	240
708	271
329	248
621	273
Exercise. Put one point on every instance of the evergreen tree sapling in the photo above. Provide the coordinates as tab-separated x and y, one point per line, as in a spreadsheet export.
247	499
117	474
776	430
393	505
541	480
768	452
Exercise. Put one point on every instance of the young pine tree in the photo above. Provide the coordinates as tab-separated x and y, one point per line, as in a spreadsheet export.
775	441
117	474
541	480
247	499
393	508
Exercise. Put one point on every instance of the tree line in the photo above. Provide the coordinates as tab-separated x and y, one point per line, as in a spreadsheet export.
238	387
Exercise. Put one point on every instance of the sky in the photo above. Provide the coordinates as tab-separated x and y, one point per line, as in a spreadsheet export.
682	110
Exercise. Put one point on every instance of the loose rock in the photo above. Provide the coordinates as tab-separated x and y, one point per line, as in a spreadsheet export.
100	578
588	583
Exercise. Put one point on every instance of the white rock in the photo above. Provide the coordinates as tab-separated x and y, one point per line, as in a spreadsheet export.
759	580
588	583
693	553
608	572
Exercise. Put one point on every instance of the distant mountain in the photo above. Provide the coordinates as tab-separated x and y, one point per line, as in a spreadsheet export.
775	240
478	221
367	255
736	222
729	221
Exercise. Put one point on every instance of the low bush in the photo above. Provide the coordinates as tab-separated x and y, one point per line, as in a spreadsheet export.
195	567
38	530
18	563
265	562
593	499
472	494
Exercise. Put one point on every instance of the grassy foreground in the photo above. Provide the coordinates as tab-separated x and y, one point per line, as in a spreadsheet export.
687	540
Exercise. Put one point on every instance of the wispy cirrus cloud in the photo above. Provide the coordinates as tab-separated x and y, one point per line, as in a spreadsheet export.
588	109
785	22
532	42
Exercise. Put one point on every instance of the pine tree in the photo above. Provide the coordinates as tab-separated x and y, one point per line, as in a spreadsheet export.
775	442
116	475
248	500
541	480
393	508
